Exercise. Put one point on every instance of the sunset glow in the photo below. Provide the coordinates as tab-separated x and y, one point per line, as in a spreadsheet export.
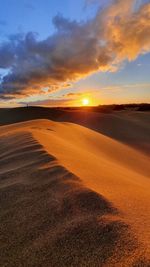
85	102
75	57
74	133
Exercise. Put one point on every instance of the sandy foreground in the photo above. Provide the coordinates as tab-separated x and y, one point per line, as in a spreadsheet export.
72	195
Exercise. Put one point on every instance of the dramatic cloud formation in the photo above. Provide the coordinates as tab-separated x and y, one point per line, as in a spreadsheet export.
118	32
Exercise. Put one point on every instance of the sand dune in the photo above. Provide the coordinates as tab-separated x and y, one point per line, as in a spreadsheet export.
129	127
71	196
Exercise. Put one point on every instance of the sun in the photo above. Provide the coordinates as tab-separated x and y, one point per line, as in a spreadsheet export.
85	101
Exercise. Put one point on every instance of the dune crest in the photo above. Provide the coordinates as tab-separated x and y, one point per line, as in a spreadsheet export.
70	197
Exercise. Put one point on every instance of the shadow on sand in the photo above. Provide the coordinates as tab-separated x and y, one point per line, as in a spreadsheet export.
48	217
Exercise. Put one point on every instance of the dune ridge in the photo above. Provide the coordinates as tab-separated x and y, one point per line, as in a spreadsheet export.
71	197
130	127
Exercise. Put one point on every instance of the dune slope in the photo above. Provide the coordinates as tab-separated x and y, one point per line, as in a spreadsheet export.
129	127
71	197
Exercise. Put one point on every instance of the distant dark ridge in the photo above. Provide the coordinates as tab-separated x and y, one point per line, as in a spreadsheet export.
14	115
114	107
21	114
138	107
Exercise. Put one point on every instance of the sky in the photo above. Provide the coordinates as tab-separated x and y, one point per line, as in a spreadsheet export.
56	53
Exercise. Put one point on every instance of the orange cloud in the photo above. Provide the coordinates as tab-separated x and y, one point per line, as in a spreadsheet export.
120	31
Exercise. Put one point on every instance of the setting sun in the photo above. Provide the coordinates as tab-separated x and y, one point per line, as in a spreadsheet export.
85	101
75	133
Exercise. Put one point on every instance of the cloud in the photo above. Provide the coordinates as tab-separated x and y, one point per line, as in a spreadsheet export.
49	102
80	94
72	94
119	32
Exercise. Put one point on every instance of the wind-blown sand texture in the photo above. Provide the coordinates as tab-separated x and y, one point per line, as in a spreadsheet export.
71	195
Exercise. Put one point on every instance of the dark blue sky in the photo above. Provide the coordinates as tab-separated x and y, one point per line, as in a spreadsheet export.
36	15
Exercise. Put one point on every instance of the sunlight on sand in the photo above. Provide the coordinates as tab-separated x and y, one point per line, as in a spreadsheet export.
73	194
